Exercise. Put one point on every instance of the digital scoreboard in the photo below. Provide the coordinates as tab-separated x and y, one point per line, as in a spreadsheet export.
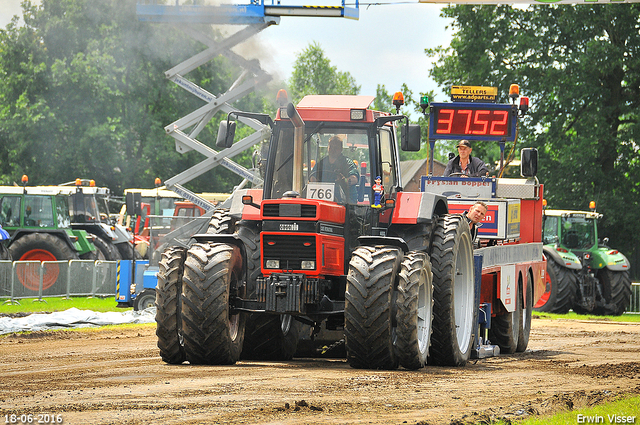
473	121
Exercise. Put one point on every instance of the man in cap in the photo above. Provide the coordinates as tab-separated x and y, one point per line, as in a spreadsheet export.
464	164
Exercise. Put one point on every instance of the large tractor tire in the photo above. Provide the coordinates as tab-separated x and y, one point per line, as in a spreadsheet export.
370	307
561	289
455	314
616	290
505	328
221	222
525	305
414	310
104	250
40	247
212	276
169	305
145	300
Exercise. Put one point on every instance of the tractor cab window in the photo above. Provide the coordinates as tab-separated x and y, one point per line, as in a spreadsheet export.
550	230
62	213
334	159
578	232
38	211
10	211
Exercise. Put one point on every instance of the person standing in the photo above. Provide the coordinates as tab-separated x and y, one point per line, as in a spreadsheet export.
465	164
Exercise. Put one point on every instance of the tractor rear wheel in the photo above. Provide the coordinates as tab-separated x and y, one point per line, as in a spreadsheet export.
369	307
40	247
212	332
455	313
105	250
505	328
415	310
616	290
525	306
562	289
221	222
168	305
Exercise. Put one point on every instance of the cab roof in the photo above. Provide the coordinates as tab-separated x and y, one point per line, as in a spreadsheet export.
327	101
560	213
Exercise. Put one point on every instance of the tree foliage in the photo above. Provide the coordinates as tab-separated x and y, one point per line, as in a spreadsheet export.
83	94
314	74
580	67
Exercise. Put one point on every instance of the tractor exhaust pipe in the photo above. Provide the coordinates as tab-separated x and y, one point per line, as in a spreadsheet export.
298	140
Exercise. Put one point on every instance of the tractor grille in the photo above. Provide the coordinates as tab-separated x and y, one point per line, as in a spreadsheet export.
289	210
291	250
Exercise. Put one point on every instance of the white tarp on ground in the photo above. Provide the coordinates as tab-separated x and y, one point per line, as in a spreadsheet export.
74	318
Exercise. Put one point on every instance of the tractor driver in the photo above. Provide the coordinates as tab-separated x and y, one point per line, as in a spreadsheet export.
336	167
464	164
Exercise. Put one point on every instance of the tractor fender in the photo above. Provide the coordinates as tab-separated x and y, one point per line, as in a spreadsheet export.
239	211
418	207
383	240
59	233
566	260
617	262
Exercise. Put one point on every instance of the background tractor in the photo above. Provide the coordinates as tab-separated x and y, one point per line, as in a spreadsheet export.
583	273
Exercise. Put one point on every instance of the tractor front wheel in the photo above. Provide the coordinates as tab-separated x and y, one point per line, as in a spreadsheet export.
213	333
414	303
168	305
369	307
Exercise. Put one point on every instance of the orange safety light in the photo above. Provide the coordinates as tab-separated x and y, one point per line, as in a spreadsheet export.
282	97
355	161
592	205
313	163
514	91
158	182
398	99
25	179
78	182
544	202
92	183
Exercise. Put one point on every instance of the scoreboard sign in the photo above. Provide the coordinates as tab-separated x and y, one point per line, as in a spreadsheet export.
473	94
473	121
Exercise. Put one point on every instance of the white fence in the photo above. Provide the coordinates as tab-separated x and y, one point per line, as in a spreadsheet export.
31	279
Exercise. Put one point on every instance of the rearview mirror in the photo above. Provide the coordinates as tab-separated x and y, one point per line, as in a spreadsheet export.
226	134
528	162
410	137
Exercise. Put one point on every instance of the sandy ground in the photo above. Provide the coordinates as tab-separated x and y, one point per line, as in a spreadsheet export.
117	377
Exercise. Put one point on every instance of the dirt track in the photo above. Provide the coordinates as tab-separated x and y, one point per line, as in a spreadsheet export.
116	376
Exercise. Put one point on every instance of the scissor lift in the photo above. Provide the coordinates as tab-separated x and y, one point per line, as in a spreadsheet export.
256	15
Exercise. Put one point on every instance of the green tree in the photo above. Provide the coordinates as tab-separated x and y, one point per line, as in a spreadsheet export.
83	94
314	74
580	67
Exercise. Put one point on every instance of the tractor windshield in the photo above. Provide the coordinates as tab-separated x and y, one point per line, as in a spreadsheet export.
334	159
578	232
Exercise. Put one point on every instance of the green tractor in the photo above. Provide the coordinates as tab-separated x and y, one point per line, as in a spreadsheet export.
583	273
38	222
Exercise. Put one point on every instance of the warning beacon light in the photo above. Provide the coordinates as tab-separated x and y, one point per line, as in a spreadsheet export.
592	205
514	92
158	182
524	105
424	103
398	100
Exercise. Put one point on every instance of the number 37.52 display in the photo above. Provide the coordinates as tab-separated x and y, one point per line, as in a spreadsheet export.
472	121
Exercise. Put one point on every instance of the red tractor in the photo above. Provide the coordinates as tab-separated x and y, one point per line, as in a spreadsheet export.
313	250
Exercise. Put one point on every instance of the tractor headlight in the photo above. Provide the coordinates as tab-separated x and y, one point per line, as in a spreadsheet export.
272	264
308	265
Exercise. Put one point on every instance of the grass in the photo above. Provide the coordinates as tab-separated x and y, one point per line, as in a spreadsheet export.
630	317
603	414
32	305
